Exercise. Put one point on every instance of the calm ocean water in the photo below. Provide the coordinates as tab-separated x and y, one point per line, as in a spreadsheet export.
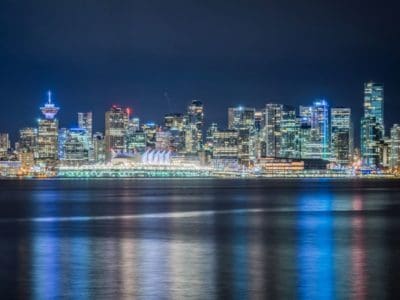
202	239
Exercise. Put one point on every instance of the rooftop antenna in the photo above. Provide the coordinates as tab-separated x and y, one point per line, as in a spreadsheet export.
49	96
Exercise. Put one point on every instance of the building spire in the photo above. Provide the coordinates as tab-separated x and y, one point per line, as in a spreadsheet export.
49	96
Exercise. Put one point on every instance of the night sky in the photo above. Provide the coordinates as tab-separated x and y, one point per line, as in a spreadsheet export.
93	54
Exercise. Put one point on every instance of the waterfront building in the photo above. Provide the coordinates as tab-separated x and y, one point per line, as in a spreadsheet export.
76	147
47	141
289	134
28	139
259	120
62	137
116	122
372	124
194	127
85	121
341	136
315	142
4	145
176	124
273	118
135	141
371	135
163	139
226	144
384	149
99	150
241	117
395	146
150	130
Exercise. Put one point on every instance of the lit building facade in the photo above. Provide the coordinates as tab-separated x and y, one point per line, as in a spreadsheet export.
290	134
47	140
273	135
372	124
226	144
341	136
99	148
116	122
395	146
316	143
194	127
4	145
28	139
76	147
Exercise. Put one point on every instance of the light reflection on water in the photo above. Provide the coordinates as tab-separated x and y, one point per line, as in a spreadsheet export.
222	239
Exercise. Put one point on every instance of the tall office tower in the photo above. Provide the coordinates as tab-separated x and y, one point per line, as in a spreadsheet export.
316	145
241	117
259	120
290	134
194	127
176	124
85	121
134	124
163	139
226	144
62	137
28	139
371	135
209	144
116	121
341	136
150	130
395	146
273	118
47	141
4	145
76	147
372	124
99	148
135	141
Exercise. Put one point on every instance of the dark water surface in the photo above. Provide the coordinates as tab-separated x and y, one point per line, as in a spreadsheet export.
203	239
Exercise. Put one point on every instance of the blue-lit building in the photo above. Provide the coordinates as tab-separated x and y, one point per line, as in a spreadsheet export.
315	143
47	141
372	124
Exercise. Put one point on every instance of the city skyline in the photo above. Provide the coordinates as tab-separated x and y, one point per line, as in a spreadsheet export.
156	60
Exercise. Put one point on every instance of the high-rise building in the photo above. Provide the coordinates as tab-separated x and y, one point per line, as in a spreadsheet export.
241	117
341	136
28	139
47	141
395	146
76	147
150	130
85	121
226	144
116	123
372	124
316	146
273	134
176	124
290	134
135	141
99	148
4	145
194	127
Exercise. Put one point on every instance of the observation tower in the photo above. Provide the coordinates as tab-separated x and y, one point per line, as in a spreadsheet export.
49	110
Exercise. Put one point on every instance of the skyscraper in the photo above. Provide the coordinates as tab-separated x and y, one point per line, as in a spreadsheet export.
317	143
273	119
28	139
290	134
395	146
341	135
47	142
242	119
116	122
372	124
4	145
76	147
85	121
194	127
